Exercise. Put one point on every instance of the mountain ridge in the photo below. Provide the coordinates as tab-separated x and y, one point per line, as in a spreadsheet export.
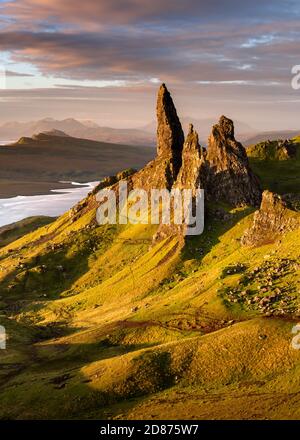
75	128
144	136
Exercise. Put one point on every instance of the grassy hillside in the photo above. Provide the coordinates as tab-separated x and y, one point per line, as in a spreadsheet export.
12	232
277	171
102	324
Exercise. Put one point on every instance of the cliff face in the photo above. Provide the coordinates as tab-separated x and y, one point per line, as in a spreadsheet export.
271	221
229	176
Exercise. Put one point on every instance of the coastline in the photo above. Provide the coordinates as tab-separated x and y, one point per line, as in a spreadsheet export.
14	188
52	204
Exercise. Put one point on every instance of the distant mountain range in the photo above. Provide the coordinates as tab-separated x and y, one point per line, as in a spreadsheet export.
84	130
244	132
143	136
204	126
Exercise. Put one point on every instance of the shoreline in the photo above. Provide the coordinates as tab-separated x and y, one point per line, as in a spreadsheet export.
55	203
10	189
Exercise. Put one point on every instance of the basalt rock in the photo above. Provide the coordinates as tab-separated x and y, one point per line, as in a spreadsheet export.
271	221
223	171
170	136
163	170
193	171
230	177
191	176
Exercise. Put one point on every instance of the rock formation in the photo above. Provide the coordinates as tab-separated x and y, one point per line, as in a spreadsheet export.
230	178
223	171
170	136
271	221
192	171
163	170
190	176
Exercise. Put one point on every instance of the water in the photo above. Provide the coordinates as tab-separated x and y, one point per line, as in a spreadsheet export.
53	205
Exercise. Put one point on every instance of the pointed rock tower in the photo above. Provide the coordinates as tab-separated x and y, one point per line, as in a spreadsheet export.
230	177
170	136
163	170
192	171
223	171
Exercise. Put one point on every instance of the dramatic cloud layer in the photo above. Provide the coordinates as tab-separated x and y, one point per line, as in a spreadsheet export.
216	48
156	11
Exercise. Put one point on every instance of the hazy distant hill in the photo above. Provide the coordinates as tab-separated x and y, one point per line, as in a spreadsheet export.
86	130
203	127
145	135
271	135
33	165
244	133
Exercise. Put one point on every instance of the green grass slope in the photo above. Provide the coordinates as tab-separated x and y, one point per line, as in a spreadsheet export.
277	171
12	232
101	323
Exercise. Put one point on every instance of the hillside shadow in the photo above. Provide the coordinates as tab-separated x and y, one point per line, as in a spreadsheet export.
43	277
198	246
58	369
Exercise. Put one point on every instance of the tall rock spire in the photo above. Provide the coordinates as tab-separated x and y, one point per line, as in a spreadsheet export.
163	170
170	136
230	177
191	174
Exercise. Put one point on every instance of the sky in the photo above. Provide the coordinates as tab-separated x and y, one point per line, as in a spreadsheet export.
103	60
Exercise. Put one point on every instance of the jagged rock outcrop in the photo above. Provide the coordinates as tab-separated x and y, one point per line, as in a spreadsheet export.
230	177
223	171
162	171
272	220
191	176
192	172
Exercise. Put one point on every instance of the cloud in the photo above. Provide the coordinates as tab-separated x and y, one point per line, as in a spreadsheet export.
129	45
10	73
240	82
177	56
154	11
138	40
